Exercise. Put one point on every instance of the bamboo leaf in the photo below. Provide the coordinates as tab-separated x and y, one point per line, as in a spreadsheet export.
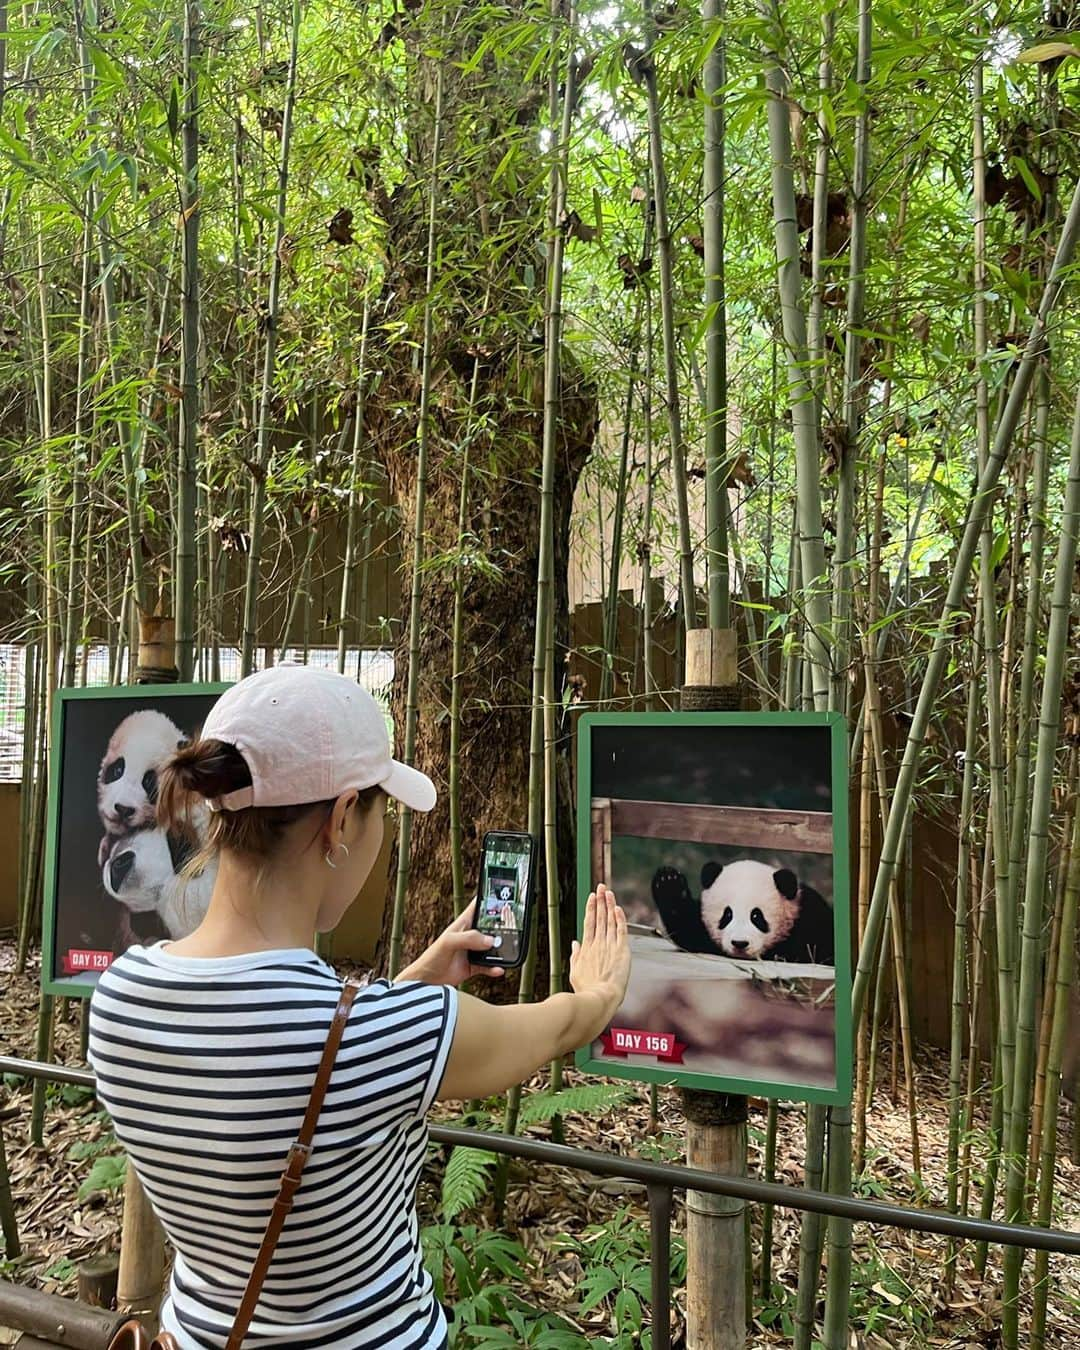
1047	51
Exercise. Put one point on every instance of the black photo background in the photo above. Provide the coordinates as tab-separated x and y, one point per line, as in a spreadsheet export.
86	917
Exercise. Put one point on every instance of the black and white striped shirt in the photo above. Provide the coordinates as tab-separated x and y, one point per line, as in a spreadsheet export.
205	1066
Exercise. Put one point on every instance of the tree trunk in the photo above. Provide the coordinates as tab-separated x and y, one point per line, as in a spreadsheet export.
503	511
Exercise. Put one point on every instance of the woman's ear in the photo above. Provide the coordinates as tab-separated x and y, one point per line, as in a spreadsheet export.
340	822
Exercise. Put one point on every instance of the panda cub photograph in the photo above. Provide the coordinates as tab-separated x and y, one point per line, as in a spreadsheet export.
118	878
718	841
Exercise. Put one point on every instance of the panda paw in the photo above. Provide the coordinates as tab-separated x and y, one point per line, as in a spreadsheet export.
670	890
679	912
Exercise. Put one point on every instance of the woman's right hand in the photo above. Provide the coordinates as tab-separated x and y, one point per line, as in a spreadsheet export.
498	1045
600	962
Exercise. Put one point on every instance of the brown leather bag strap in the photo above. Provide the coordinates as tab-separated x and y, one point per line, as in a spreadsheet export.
294	1167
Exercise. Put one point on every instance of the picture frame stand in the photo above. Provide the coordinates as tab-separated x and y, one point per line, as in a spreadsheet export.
142	1240
716	1123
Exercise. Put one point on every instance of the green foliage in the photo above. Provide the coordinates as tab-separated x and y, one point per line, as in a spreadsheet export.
465	1180
584	1099
106	1176
617	1274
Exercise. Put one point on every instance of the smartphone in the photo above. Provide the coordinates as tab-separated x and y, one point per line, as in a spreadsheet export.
504	898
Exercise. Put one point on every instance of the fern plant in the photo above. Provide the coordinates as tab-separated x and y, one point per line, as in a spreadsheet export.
465	1180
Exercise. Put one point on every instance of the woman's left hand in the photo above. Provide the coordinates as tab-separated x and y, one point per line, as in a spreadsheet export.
446	961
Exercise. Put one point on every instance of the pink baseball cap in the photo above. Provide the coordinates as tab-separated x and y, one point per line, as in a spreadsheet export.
309	735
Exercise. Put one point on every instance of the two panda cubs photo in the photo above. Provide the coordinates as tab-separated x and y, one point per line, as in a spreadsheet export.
718	839
120	879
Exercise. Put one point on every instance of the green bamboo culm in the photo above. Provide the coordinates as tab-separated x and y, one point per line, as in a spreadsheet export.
810	1231
714	81
457	649
541	749
80	455
356	491
811	532
186	602
263	435
1042	800
854	380
86	22
644	70
958	1021
1065	976
1005	893
978	506
423	445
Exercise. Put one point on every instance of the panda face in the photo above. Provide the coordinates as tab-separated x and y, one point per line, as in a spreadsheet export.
743	908
128	778
138	870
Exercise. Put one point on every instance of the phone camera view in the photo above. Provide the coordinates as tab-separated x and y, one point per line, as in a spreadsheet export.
503	898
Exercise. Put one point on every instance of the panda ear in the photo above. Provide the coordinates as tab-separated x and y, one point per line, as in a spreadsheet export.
709	873
787	883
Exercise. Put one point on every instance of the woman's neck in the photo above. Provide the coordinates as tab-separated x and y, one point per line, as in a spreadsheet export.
252	910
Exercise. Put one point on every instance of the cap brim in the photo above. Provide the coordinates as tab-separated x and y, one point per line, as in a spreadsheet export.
410	787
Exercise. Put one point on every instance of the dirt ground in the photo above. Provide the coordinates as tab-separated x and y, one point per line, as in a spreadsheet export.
898	1295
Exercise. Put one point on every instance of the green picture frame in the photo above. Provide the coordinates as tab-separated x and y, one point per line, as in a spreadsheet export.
840	1092
52	981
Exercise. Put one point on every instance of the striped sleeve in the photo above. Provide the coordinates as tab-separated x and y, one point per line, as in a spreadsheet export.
419	1021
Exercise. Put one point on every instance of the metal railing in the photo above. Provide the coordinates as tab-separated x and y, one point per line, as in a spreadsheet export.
661	1180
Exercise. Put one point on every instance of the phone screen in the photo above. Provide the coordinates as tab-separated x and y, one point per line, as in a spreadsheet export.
503	897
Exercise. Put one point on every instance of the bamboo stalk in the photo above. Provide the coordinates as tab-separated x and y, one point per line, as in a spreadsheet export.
1025	700
772	1121
843	556
964	831
457	860
978	507
348	566
79	458
423	448
263	442
672	399
1057	643
900	978
861	1031
810	1233
85	15
1047	1019
714	81
1004	908
1065	976
541	788
800	389
185	594
819	230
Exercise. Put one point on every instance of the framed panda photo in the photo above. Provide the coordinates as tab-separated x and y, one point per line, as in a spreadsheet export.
725	839
113	877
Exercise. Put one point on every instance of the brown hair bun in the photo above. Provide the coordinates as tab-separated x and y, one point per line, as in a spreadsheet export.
204	769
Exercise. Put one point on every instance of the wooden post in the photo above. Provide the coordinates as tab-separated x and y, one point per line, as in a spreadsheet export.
142	1242
142	1255
715	1122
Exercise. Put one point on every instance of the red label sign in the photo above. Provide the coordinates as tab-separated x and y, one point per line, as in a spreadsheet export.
78	962
620	1041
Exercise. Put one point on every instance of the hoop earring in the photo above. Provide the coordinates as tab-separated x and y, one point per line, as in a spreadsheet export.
330	862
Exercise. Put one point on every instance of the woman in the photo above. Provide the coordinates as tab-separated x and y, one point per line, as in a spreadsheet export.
206	1048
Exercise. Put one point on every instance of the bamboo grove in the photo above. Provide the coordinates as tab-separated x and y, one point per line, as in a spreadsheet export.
766	309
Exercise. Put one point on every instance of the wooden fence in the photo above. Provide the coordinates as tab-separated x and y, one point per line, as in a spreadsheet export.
738	826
